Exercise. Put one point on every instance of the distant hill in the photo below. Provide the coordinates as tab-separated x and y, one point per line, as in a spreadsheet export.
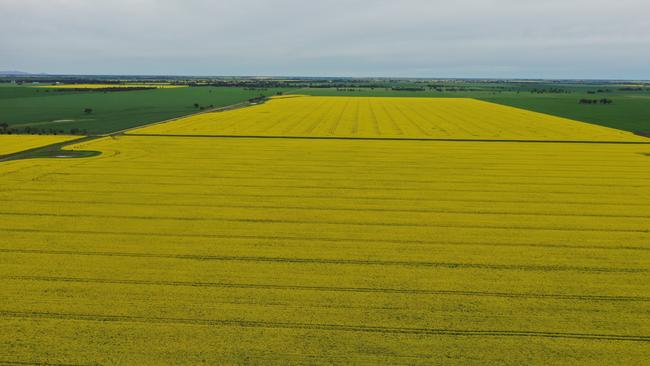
13	72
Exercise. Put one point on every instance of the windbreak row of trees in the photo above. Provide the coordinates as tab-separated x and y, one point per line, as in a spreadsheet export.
406	88
596	101
550	91
5	129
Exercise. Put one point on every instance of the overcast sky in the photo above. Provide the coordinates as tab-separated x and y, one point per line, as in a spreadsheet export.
403	38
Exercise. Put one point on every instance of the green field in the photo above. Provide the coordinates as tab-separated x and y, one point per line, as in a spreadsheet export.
629	112
24	106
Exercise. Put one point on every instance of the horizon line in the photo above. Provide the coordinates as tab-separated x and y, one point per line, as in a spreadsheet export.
16	73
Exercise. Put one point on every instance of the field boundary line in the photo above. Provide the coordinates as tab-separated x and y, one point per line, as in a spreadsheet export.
386	139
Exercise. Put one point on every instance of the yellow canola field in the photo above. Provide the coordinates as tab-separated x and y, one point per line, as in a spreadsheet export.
204	250
102	86
435	118
10	144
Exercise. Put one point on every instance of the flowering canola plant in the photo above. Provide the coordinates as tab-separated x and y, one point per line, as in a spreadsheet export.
379	117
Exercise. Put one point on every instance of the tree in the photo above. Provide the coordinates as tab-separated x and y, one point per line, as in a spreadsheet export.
3	127
196	105
88	110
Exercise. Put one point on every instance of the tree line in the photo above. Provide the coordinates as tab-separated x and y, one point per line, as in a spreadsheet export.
604	101
5	129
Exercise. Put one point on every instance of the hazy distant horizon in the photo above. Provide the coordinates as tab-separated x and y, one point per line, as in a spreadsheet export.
45	74
477	39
